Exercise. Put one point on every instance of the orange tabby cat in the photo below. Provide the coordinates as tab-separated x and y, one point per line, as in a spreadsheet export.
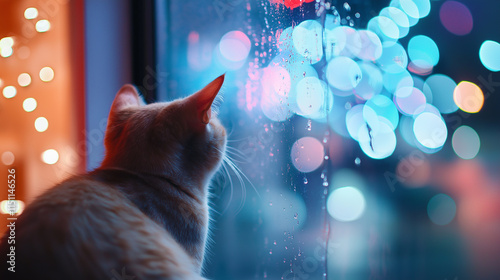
143	214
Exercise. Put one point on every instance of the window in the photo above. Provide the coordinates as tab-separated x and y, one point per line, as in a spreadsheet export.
360	129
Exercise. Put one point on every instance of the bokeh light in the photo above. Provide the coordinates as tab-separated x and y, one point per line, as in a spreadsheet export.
441	209
50	156
354	120
310	95
307	154
394	58
468	97
371	82
8	158
394	81
276	86
385	28
30	13
466	142
489	53
29	104
42	26
12	206
381	108
430	130
377	142
41	124
409	100
423	52
371	46
46	74
234	46
346	204
343	73
24	79
441	88
334	41
9	91
307	40
399	18
456	18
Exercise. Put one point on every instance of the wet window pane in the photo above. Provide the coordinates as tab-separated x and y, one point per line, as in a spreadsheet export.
356	131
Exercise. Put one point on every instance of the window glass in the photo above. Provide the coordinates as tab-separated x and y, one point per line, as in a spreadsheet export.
355	135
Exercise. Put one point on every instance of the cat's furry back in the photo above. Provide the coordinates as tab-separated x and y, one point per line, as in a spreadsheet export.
143	214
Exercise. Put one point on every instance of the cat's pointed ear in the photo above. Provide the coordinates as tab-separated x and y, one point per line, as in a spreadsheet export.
205	97
126	97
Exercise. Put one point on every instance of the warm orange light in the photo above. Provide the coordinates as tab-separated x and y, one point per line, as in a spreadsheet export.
468	97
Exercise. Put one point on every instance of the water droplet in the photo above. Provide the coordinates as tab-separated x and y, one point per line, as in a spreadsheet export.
347	7
270	204
305	181
309	125
325	183
357	15
357	161
270	252
274	242
304	74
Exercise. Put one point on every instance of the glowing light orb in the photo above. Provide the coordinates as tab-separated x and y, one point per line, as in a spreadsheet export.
456	18
276	84
468	97
407	9
234	46
385	28
377	142
423	51
11	206
42	26
430	130
307	154
394	81
423	6
30	13
29	104
41	124
371	46
489	53
46	74
346	204
410	8
8	158
399	18
310	95
409	100
383	108
24	79
466	142
441	88
9	91
371	82
441	209
6	42
354	120
307	40
50	156
334	41
343	73
394	58
353	43
6	51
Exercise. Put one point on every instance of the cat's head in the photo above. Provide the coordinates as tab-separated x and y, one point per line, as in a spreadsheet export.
181	139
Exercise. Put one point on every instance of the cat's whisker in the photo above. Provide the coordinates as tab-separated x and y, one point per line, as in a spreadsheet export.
230	184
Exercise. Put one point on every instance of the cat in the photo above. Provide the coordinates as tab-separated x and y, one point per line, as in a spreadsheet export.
143	214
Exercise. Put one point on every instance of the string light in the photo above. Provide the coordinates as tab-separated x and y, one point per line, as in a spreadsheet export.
50	156
46	74
42	26
24	79
9	91
41	124
29	104
31	13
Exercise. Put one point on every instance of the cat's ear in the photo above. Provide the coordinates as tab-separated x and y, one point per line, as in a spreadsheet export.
204	98
126	97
